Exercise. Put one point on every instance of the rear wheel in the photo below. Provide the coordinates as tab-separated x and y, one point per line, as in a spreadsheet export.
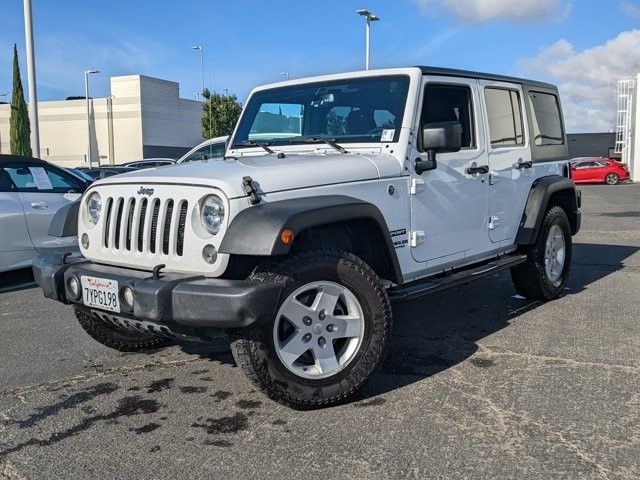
611	179
328	336
545	273
118	338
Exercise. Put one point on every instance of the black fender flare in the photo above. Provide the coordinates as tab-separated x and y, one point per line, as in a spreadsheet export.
65	221
541	191
256	230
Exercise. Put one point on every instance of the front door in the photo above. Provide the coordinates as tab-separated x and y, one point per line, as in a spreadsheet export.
511	172
449	204
43	191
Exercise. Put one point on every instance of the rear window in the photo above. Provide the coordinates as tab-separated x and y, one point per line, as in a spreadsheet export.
547	123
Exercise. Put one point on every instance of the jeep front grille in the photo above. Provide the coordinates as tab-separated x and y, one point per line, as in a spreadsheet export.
154	226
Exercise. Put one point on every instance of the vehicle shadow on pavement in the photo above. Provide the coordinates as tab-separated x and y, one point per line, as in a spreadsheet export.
16	280
438	332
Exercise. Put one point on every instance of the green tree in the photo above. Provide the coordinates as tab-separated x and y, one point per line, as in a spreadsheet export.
19	126
219	114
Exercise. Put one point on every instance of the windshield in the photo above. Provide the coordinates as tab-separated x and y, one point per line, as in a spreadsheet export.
355	110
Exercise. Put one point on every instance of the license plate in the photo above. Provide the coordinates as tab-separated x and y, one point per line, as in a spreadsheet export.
100	293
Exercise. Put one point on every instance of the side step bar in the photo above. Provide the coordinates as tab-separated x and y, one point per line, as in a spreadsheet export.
427	286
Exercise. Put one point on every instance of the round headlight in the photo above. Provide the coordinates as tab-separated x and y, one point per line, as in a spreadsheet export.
94	207
212	213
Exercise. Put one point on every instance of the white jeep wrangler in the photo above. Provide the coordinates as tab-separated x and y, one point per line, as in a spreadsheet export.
337	196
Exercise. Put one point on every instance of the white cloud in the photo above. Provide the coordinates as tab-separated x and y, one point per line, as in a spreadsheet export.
587	79
630	8
479	11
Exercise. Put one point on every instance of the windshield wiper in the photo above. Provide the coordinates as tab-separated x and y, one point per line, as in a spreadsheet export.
263	145
329	141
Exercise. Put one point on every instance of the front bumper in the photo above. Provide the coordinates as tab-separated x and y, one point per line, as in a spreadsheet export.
180	302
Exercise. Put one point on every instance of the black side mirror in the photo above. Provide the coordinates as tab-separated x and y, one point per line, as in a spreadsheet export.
439	137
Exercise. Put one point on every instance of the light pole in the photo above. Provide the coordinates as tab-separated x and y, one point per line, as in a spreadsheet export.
369	17
5	101
86	96
31	73
284	75
201	48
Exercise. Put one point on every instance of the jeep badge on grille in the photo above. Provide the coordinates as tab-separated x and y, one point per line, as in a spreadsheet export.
145	191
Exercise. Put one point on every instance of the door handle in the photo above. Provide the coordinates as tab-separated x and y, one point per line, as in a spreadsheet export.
520	165
39	205
480	169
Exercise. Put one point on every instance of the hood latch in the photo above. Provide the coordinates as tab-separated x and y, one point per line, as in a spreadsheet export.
249	187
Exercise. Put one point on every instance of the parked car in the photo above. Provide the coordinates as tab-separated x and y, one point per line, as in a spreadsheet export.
97	173
148	163
31	193
348	192
78	172
598	170
210	148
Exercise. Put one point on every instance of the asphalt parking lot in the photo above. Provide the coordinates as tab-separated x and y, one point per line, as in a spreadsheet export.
478	383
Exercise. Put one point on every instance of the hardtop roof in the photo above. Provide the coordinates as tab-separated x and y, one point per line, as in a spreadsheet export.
441	71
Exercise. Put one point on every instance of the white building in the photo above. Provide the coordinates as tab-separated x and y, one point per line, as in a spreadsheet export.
628	125
143	117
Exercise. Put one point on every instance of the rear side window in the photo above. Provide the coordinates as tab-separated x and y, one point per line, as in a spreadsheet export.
547	123
506	128
450	103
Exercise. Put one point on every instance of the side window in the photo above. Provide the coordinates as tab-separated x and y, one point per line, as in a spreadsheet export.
63	183
450	103
504	114
547	123
200	154
22	178
43	179
217	150
6	184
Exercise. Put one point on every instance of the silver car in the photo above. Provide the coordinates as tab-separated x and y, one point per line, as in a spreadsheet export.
31	192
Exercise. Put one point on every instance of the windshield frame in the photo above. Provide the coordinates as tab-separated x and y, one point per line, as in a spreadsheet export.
403	112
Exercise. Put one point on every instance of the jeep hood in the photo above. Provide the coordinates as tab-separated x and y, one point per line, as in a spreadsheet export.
272	174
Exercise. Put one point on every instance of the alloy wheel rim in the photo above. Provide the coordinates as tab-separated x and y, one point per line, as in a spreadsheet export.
318	329
611	178
554	255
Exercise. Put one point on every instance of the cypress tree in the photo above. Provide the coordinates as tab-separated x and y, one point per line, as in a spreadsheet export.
19	127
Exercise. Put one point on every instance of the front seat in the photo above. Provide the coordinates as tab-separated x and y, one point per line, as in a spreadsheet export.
360	122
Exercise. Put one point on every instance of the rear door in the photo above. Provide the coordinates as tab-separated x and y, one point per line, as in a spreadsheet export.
45	189
510	166
16	246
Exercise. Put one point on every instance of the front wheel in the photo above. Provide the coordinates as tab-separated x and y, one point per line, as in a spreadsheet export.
545	273
328	336
611	179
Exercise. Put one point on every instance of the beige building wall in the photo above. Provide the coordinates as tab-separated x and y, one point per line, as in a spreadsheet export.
143	117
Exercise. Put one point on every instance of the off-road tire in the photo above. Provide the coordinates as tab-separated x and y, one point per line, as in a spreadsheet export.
254	351
529	278
612	179
116	338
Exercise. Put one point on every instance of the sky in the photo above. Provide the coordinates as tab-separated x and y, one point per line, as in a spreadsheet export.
583	46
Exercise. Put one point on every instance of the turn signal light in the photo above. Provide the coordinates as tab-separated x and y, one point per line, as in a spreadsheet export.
286	236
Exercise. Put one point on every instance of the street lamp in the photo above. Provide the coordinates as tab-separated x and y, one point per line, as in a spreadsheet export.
86	96
5	101
369	17
201	48
284	75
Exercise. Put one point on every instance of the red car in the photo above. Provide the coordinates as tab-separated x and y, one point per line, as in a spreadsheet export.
598	170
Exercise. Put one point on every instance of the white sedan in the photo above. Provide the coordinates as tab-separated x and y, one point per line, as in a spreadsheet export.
31	192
